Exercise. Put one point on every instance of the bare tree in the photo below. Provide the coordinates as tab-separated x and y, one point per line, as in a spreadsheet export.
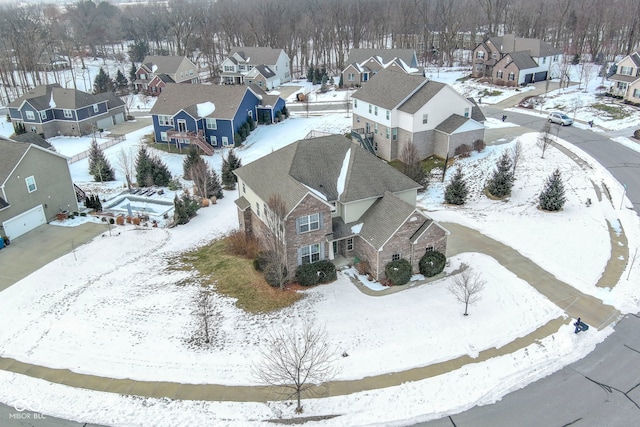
296	362
545	139
466	287
125	161
411	165
586	73
274	241
516	153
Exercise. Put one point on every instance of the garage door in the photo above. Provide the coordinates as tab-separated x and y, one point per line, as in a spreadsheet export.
105	123
25	222
541	76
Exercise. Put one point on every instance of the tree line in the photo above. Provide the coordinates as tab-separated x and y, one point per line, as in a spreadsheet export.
317	32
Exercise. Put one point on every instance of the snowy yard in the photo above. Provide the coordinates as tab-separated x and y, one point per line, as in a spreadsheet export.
115	308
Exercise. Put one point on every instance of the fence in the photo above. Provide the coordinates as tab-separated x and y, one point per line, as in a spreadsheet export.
112	139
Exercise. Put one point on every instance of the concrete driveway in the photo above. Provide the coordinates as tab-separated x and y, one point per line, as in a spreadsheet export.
39	247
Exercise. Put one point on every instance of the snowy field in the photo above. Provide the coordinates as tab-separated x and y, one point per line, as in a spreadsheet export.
115	309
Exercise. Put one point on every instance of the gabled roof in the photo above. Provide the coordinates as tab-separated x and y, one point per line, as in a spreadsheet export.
163	64
384	217
3	203
451	123
635	57
522	59
257	55
164	78
623	78
536	47
390	89
33	138
176	97
476	112
331	167
10	155
381	55
42	96
264	70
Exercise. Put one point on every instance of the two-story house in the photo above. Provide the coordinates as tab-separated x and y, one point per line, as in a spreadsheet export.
263	66
51	110
626	81
512	61
395	109
362	64
210	115
340	201
156	71
35	185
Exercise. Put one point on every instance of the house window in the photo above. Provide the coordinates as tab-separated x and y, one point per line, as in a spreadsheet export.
375	128
31	184
466	112
351	77
365	77
34	129
494	55
43	115
250	113
636	93
544	59
95	108
225	141
68	114
394	134
257	208
355	103
212	124
191	72
309	223
229	68
242	68
480	54
165	120
499	74
395	257
309	254
430	249
164	137
350	244
555	58
388	114
627	71
370	108
375	110
424	119
244	188
213	139
30	115
387	133
512	76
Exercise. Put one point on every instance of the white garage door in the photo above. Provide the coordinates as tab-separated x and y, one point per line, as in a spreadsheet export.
105	123
25	222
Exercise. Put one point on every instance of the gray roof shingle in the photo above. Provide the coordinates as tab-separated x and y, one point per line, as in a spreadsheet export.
10	154
265	71
176	97
163	64
522	59
536	47
390	88
40	98
359	56
33	138
452	123
257	55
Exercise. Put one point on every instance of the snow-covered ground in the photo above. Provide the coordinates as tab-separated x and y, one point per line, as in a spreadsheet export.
116	310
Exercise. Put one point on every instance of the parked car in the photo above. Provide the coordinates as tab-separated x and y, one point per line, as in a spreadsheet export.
560	118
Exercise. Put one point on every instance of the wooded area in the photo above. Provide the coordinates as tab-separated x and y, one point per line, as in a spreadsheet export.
310	31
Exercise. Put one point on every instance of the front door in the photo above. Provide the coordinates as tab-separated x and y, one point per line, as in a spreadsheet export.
182	125
335	247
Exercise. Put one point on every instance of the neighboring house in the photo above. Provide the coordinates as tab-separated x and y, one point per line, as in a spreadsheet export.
348	204
52	110
168	69
35	185
362	64
210	115
626	81
395	109
273	67
512	61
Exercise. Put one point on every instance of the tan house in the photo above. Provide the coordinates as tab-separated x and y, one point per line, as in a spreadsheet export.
341	201
396	109
35	185
363	64
156	71
514	61
626	81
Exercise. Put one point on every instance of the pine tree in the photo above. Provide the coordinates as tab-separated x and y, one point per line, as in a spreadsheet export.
552	197
160	172
501	182
252	124
310	73
184	209
143	166
457	191
132	73
231	163
121	82
102	83
99	166
192	158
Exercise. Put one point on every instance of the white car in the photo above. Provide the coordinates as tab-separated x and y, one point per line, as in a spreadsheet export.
560	118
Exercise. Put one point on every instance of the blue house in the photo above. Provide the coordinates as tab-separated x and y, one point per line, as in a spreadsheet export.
210	115
52	110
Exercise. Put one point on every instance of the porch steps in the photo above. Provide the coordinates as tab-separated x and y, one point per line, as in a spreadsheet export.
193	138
365	141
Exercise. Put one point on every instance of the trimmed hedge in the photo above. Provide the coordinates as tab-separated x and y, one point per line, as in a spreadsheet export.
317	272
398	272
432	263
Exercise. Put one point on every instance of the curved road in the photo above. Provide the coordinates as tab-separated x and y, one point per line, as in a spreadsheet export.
603	388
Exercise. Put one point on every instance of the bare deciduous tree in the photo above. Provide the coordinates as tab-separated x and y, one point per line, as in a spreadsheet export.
297	362
411	165
125	161
516	153
545	139
466	287
274	240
